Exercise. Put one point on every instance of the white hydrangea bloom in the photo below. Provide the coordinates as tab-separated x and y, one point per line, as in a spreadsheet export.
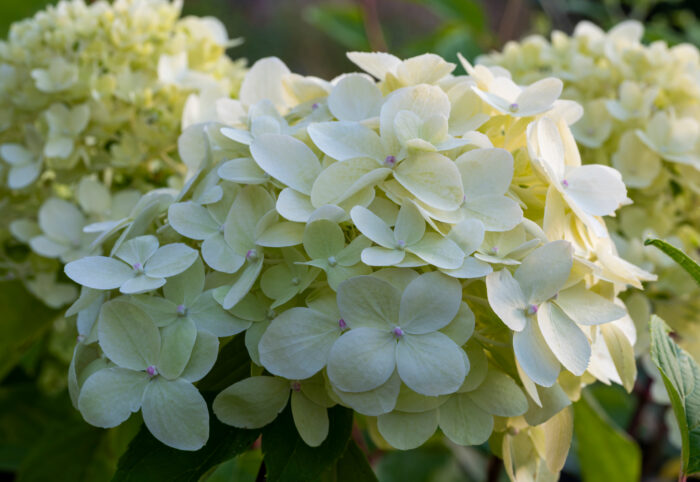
402	246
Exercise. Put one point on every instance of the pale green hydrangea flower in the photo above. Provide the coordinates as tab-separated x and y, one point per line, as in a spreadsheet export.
642	117
95	92
406	245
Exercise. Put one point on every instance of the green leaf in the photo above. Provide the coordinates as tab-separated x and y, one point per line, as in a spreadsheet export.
289	459
24	320
352	466
43	438
605	452
685	261
343	23
232	365
681	376
147	459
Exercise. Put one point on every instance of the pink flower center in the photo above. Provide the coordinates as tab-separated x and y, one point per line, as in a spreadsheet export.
296	386
398	332
513	107
342	324
151	370
138	267
532	309
251	255
390	161
565	183
181	310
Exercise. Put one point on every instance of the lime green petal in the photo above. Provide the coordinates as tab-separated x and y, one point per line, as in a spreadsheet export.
323	239
354	98
61	220
176	414
311	420
381	256
220	256
109	396
253	402
407	431
373	402
463	422
287	159
251	204
434	179
373	227
362	359
170	260
410	225
430	364
192	220
187	286
412	402
461	328
586	307
566	340
128	336
204	354
281	234
243	283
297	342
137	251
176	343
429	303
544	271
345	140
534	356
438	251
243	170
507	299
369	301
499	395
141	284
209	316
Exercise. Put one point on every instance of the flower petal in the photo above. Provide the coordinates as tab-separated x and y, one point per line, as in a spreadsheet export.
345	140
373	227
362	359
127	335
369	301
433	178
566	340
507	299
407	431
176	414
429	303
192	220
535	358
176	343
463	422
544	271
170	260
109	396
287	159
588	308
311	420
253	402
355	98
430	364
297	342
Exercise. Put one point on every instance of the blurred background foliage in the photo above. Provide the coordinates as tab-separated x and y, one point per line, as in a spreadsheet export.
43	438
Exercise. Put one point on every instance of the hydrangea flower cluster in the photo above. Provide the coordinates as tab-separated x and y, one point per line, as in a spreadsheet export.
91	103
642	116
422	247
